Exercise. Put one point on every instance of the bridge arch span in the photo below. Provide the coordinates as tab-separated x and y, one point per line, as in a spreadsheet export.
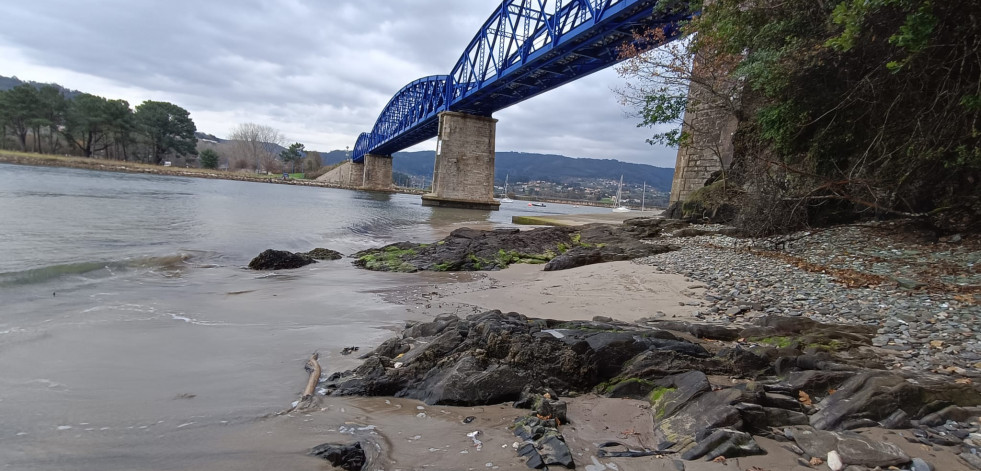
403	121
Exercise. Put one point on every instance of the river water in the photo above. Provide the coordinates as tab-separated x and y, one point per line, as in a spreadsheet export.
133	337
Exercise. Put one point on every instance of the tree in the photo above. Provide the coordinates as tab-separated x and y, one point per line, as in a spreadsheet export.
312	162
166	128
209	158
292	155
52	106
119	126
849	109
85	123
19	108
255	142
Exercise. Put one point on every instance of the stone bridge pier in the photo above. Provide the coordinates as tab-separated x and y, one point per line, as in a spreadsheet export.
377	173
463	176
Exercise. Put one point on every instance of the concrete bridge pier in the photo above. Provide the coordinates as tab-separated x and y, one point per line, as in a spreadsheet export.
464	173
355	174
377	173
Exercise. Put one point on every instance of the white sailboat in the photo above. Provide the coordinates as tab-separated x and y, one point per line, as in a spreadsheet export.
620	208
643	196
506	199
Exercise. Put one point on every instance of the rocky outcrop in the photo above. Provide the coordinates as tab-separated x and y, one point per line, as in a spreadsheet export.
320	253
850	448
280	260
468	249
495	357
349	457
285	260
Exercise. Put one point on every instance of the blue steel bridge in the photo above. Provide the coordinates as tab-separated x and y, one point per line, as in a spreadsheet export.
525	48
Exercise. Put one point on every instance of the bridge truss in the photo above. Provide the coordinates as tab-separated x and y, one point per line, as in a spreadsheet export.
525	48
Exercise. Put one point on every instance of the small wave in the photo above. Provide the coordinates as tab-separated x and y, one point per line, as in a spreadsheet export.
167	265
40	275
193	321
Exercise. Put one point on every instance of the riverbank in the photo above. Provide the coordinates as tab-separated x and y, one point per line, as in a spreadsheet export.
916	296
41	160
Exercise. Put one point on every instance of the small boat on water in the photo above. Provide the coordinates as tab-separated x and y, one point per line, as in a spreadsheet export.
620	208
542	205
506	199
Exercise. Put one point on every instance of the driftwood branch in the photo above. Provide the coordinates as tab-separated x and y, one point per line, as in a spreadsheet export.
314	368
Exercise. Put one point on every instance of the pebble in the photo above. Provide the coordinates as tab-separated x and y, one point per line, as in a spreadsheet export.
936	332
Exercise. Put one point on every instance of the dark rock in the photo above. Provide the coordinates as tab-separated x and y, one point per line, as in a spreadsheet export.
547	445
859	450
708	411
871	395
349	350
813	382
324	254
581	256
677	390
554	451
876	395
644	228
555	409
971	459
487	358
468	249
469	382
578	257
919	464
782	417
714	332
955	413
279	260
724	442
814	442
349	457
944	439
632	388
897	420
781	401
852	424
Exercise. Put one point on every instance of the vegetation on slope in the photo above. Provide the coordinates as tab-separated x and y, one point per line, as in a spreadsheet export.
846	109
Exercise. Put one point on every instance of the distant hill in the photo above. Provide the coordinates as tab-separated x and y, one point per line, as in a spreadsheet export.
6	83
522	167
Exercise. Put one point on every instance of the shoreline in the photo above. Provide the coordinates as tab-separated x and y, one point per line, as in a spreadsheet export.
86	163
680	286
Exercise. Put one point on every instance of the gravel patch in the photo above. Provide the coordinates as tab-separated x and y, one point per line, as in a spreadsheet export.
924	295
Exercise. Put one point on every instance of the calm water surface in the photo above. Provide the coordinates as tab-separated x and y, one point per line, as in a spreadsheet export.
132	336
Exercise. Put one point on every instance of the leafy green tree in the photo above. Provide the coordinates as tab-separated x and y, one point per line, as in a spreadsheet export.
166	128
208	158
86	123
119	126
291	155
847	108
50	113
19	107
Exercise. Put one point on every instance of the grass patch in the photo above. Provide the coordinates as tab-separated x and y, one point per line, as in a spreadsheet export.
832	345
655	398
779	342
389	259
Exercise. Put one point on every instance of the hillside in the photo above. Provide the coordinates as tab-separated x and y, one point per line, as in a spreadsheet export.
523	167
6	83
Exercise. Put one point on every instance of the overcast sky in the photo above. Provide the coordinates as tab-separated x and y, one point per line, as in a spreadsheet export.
318	71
